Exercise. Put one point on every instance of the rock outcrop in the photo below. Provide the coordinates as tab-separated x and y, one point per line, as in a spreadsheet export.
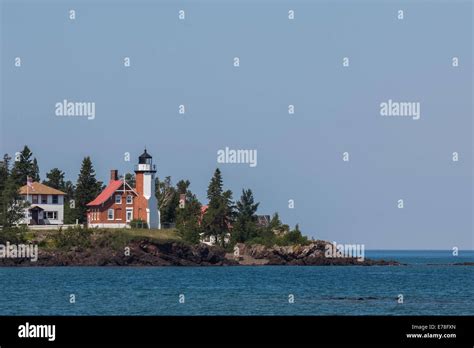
172	253
312	254
140	253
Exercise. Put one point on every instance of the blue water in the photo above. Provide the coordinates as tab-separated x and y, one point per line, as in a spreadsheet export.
330	290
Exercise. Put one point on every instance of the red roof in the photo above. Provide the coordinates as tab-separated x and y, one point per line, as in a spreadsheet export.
113	186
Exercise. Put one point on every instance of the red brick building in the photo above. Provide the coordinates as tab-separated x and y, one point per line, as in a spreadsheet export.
118	204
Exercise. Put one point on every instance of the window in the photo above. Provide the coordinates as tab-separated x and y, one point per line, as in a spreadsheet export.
34	199
129	215
44	199
129	199
110	214
51	215
55	199
118	199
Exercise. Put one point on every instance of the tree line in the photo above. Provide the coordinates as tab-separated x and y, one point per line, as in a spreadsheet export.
14	175
223	217
226	220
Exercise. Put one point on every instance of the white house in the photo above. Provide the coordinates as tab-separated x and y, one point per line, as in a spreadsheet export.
46	204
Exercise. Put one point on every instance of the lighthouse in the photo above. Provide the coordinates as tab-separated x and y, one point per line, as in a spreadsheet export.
147	203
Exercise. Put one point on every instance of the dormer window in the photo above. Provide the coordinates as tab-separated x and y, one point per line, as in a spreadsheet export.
118	199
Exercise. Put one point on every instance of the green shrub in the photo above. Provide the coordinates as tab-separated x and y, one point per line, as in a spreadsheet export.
72	237
14	235
138	224
189	234
111	239
293	238
264	237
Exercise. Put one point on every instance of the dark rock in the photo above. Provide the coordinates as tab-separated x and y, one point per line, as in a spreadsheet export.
312	254
172	253
142	253
463	264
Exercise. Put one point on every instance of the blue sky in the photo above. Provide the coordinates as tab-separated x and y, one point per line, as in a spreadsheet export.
283	62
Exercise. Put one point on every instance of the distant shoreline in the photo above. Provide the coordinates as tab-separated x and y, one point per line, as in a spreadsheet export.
143	247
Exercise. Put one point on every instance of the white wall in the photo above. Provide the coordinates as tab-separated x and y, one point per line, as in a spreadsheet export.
48	207
153	218
109	225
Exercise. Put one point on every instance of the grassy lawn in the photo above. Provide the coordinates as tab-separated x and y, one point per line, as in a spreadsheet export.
162	235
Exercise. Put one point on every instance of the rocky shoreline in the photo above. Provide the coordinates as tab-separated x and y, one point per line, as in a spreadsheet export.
312	254
172	253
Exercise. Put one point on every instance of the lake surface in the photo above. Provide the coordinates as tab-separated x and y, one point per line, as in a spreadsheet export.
437	289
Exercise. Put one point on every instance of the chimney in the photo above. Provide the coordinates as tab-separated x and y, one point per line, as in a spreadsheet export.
113	174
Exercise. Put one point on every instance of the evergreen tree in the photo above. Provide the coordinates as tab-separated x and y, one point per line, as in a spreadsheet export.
188	218
245	226
294	237
217	220
35	171
215	189
70	212
69	189
275	222
168	200
13	204
277	227
4	172
25	166
182	186
87	189
55	179
130	179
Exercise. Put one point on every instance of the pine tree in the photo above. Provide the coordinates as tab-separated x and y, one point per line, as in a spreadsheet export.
13	204
188	218
87	189
130	179
168	200
69	189
4	172
70	212
245	227
217	220
55	179
25	166
294	237
214	191
35	171
275	222
182	186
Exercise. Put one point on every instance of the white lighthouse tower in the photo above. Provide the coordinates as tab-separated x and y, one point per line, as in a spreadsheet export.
145	186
